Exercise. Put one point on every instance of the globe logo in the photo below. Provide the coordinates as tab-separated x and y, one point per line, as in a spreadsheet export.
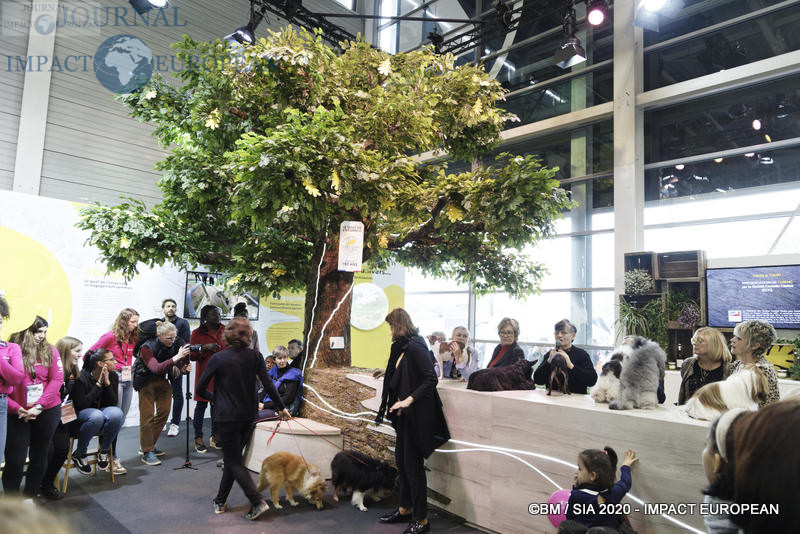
44	24
123	63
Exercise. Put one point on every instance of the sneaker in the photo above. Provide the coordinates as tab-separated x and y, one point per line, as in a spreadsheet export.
156	451
82	464
51	492
173	430
118	469
150	458
256	511
214	443
102	461
199	446
219	508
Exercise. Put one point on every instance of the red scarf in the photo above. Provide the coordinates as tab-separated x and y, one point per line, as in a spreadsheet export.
503	350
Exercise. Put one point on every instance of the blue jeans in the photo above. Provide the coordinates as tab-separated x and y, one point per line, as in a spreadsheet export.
92	421
177	399
125	395
3	426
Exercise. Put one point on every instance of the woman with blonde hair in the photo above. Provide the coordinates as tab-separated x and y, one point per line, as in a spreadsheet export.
711	362
751	340
34	408
121	340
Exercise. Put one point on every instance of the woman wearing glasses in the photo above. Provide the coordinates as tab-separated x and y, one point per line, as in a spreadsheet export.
507	352
711	362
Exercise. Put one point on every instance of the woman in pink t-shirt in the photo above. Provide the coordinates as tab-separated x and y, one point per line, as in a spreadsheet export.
121	340
11	374
34	408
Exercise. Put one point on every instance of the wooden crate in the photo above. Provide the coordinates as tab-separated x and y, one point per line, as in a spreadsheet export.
687	265
693	289
640	260
640	301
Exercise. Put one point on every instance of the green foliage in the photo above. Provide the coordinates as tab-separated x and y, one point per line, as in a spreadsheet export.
794	369
647	321
282	141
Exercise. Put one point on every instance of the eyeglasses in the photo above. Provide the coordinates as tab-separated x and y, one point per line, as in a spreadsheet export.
506	332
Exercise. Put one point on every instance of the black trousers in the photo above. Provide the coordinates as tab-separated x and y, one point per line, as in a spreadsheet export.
30	439
233	437
177	399
412	482
57	454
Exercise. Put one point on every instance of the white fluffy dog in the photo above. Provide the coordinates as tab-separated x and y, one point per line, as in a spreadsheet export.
743	389
607	387
643	365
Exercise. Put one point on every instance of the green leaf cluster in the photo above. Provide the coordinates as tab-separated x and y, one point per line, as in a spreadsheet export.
272	146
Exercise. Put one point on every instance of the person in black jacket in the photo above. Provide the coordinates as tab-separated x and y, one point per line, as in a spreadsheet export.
234	371
415	410
507	352
580	369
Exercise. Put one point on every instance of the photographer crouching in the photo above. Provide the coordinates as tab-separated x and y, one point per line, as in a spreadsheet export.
157	357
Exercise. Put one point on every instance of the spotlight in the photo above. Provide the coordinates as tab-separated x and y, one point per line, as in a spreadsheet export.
717	160
436	40
767	138
596	12
243	35
680	166
143	6
756	124
750	155
765	159
571	52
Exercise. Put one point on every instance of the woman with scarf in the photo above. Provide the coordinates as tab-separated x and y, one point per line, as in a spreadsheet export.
415	411
289	383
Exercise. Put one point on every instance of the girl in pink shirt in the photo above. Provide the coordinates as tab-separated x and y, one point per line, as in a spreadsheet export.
34	408
11	374
121	340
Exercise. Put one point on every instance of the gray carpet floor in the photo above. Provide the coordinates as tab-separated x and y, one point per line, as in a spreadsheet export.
156	499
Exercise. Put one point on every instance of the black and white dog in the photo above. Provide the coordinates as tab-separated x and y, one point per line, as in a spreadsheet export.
607	387
365	476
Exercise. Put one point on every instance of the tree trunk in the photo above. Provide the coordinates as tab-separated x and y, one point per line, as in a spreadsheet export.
333	285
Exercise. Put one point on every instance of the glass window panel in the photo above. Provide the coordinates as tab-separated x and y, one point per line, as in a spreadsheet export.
432	312
603	219
538	313
699	14
603	260
719	240
416	281
349	4
724	176
387	39
725	121
580	92
789	240
754	201
736	45
587	150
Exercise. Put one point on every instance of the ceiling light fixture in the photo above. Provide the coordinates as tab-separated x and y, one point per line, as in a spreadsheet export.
245	35
596	12
680	166
765	159
571	52
143	6
750	155
717	160
756	124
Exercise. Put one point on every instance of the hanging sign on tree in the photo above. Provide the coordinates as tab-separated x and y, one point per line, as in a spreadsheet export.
351	245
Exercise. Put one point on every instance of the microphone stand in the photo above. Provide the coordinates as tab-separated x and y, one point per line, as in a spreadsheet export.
187	464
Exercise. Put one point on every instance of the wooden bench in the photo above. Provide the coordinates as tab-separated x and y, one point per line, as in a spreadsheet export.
315	449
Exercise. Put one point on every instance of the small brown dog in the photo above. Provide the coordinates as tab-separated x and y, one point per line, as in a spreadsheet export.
292	471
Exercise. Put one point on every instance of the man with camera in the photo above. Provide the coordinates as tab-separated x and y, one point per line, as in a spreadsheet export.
170	309
209	336
158	358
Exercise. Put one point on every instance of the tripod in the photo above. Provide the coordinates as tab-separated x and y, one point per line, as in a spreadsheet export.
187	464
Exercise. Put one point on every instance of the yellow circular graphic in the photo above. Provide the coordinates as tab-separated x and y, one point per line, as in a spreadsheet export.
34	283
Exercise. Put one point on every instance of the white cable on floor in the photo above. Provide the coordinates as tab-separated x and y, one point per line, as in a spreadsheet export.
322	332
332	407
316	296
506	454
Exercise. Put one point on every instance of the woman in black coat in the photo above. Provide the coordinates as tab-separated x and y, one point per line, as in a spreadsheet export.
507	352
415	410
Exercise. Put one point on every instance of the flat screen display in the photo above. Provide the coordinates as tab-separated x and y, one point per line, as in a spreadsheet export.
739	294
204	288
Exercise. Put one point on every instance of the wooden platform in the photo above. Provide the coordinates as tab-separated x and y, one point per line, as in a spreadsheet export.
493	489
291	436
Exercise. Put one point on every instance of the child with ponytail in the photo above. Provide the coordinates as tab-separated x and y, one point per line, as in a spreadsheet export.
595	492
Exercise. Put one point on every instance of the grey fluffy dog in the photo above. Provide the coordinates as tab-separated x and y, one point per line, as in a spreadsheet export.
643	364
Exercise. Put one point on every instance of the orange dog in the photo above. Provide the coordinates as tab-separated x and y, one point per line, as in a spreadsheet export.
290	470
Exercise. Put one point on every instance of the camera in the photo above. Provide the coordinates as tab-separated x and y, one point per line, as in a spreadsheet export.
196	348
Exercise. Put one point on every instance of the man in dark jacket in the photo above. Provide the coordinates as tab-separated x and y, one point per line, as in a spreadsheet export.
170	309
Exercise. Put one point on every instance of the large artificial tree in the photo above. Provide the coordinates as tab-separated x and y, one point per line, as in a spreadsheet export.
272	146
